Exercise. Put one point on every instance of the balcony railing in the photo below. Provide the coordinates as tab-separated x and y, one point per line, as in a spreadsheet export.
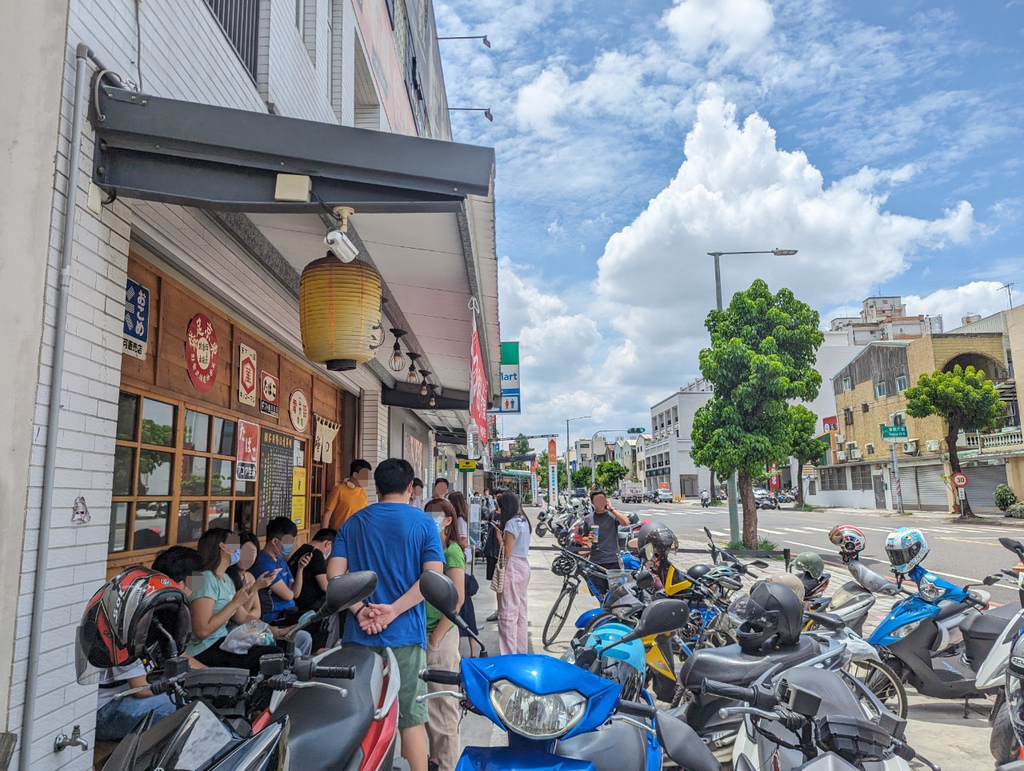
994	441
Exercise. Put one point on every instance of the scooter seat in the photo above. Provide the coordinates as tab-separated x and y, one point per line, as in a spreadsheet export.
989	624
731	664
617	746
325	729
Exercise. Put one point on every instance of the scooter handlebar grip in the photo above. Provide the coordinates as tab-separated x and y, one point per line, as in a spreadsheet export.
440	676
729	691
335	673
638	709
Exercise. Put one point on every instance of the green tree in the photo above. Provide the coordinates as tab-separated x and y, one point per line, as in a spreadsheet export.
520	446
581	478
609	474
965	399
762	355
542	474
805	446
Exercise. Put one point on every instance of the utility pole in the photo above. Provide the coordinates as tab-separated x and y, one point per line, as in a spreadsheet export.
1009	293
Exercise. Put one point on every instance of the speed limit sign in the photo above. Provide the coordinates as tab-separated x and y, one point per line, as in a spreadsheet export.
960	479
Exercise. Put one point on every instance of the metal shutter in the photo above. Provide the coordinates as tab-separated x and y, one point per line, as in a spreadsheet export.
931	490
981	487
908	485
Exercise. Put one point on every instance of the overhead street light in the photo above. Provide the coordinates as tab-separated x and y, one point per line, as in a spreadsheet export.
485	110
482	38
734	513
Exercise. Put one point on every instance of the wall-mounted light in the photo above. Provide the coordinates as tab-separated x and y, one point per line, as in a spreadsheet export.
397	360
411	377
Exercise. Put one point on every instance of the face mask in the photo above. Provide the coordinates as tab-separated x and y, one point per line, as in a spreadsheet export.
236	555
438	521
286	548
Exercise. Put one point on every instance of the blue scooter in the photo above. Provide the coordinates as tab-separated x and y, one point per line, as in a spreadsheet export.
561	716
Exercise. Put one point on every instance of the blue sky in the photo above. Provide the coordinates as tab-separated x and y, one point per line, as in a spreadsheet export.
882	140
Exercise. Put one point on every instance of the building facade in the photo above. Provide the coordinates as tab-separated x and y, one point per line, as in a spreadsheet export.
161	291
667	456
885	318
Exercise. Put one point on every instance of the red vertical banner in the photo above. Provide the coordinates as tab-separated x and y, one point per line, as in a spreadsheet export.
477	387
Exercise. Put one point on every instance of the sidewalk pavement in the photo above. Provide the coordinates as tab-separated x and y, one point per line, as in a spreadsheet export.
936	728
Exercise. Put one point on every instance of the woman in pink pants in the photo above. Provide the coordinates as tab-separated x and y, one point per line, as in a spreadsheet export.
512	618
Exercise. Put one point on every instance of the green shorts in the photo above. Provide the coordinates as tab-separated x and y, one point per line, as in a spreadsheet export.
412	659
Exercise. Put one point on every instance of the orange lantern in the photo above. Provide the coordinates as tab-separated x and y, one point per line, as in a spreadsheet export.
340	312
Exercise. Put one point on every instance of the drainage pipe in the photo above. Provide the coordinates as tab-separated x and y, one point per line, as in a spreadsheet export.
53	413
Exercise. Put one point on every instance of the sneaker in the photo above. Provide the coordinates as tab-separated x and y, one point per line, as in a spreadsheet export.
493	616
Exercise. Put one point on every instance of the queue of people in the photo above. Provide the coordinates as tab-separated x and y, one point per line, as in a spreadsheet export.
246	600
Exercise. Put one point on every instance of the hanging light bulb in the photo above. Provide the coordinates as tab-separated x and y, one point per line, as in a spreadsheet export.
433	401
423	386
397	360
411	378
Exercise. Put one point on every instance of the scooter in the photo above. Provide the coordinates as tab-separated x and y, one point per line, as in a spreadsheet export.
937	638
559	715
813	719
212	729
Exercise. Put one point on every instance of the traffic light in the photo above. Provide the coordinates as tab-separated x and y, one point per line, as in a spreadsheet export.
636	430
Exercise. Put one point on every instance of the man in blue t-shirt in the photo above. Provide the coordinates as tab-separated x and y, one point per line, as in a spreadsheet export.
281	532
398	542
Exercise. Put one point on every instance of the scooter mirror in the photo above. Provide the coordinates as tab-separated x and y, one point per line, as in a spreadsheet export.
991	580
346	589
644	580
659	617
440	592
759	564
634	518
683	746
1011	544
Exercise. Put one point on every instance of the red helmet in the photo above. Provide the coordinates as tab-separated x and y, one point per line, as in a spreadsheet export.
118	626
849	539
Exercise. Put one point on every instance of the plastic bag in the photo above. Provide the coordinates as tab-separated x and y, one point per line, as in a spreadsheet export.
244	636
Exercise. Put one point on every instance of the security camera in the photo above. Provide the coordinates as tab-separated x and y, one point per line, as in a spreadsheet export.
341	246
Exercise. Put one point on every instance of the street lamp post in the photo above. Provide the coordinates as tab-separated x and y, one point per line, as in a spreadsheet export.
568	475
734	513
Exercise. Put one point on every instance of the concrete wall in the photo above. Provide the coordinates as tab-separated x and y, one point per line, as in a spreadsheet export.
29	146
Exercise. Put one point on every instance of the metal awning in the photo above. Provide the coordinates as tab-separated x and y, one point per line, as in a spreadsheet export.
216	157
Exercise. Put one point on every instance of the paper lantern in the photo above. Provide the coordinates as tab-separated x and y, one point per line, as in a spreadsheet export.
340	312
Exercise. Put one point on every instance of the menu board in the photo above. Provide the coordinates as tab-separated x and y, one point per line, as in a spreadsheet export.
277	465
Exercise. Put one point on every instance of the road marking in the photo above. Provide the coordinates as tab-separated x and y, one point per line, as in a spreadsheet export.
766	530
968	540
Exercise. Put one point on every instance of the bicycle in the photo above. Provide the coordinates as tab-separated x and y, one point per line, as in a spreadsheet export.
574	570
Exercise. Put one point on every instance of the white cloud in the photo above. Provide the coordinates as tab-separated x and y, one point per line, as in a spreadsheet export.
981	297
736	27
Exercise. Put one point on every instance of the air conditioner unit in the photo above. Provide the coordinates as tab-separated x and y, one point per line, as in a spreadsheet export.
870	449
840	438
856	454
933	445
910	448
841	455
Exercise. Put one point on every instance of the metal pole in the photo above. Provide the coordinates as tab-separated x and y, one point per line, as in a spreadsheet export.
731	486
568	474
897	488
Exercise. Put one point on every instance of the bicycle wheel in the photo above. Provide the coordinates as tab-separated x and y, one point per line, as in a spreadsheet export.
558	615
882	681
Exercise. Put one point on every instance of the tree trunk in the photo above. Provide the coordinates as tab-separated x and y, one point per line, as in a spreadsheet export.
712	490
746	486
954	464
799	484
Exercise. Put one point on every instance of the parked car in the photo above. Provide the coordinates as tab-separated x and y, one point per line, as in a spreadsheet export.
665	496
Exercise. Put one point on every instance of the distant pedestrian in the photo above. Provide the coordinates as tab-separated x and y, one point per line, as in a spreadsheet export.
705	499
348	497
441	487
417	493
512	616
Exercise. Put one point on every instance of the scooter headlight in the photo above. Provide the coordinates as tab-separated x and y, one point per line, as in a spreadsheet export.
534	715
903	631
929	590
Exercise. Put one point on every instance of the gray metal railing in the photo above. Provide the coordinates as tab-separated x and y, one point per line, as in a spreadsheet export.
240	20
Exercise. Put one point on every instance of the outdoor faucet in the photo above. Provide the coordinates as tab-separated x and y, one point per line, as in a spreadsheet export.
75	740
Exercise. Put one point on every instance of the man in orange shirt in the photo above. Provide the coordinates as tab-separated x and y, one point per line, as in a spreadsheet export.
348	497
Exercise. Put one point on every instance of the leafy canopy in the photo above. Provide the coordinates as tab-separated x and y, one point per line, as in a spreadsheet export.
762	354
805	446
609	474
964	398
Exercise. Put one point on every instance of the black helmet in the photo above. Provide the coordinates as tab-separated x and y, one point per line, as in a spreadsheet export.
769	616
658	540
698	571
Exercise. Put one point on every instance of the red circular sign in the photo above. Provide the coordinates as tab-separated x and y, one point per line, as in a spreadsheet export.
960	479
201	352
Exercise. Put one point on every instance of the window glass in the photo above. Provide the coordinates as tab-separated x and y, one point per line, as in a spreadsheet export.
118	526
244	515
151	524
220	514
197	431
223	437
157	423
124	470
245	488
193	475
190	520
220	478
155	472
127	412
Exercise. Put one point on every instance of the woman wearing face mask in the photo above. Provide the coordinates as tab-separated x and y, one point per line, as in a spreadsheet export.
216	602
461	505
443	642
259	601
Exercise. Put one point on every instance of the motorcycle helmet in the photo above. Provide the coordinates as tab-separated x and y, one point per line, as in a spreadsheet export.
725	576
697	572
906	548
849	539
659	540
625	664
809	562
771	615
791	582
129	618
